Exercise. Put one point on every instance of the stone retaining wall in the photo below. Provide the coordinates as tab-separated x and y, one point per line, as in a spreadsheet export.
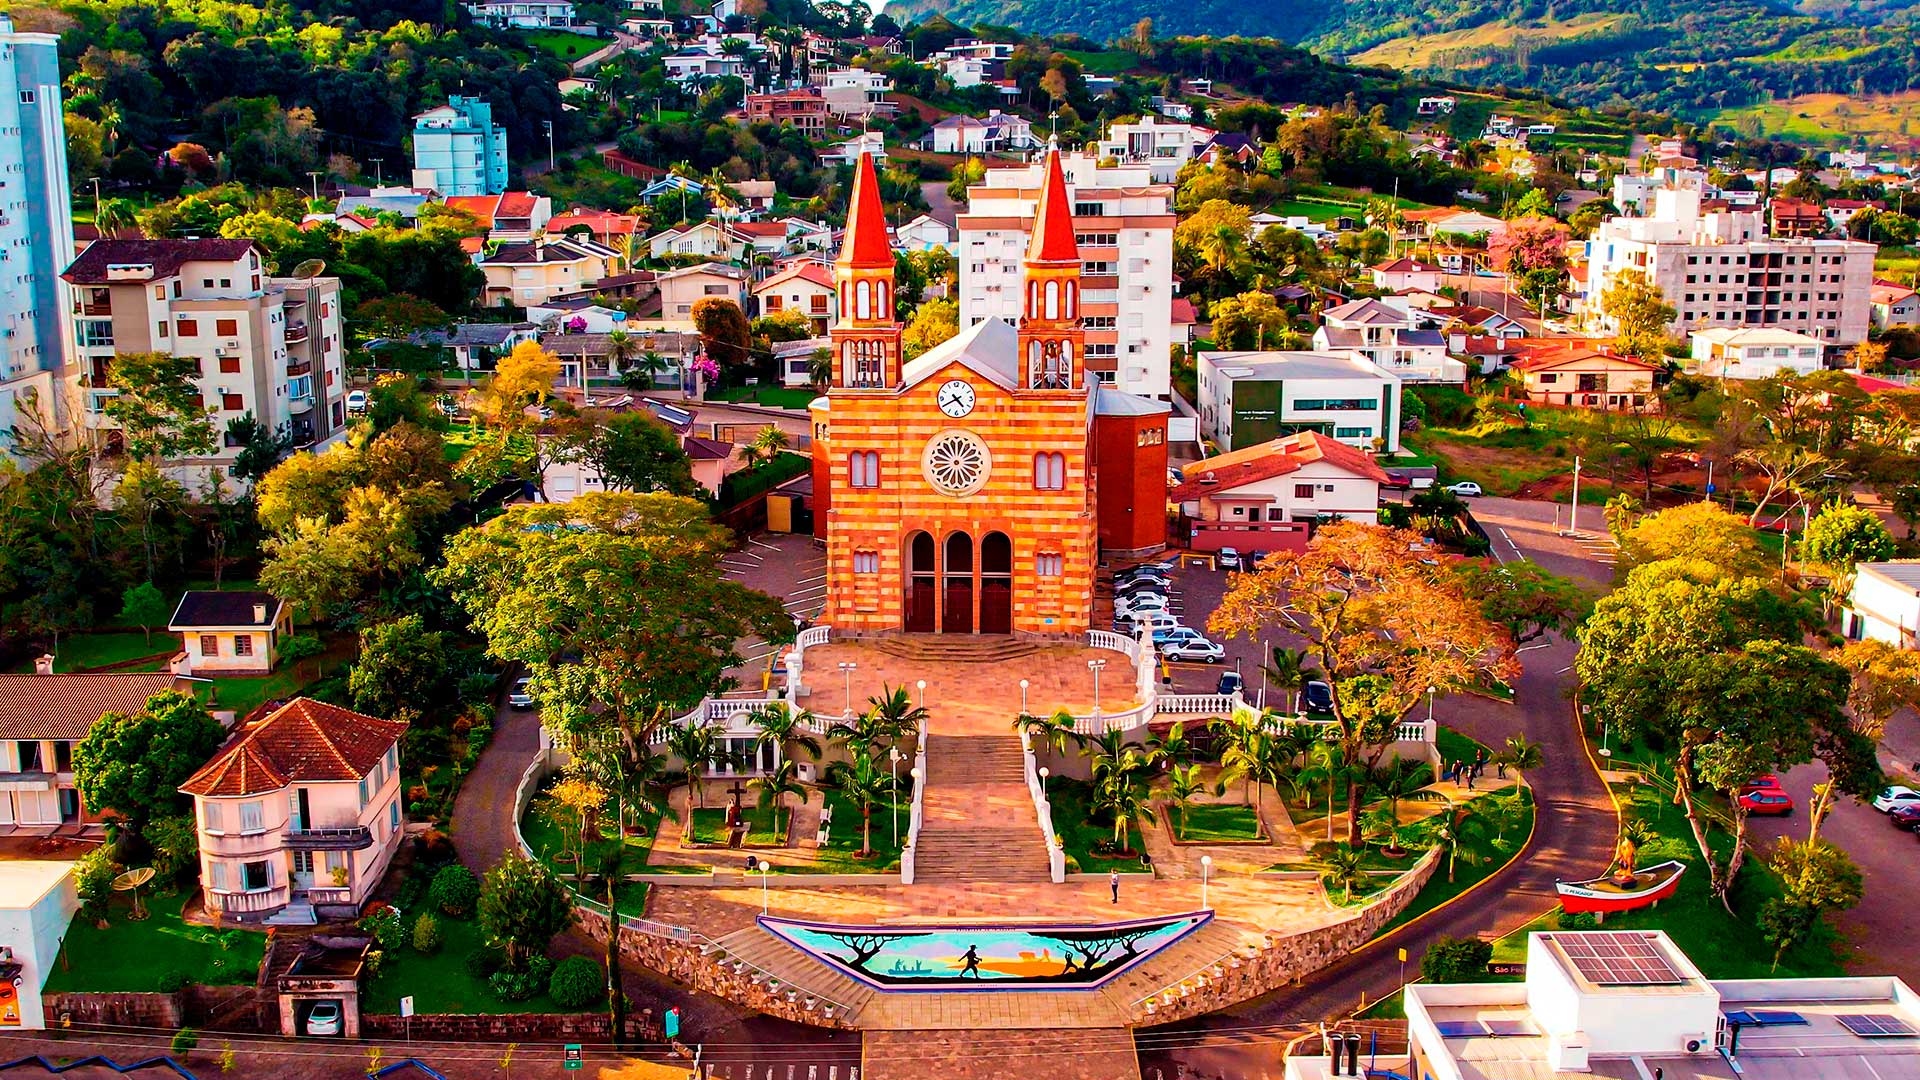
224	1008
682	962
1286	958
514	1027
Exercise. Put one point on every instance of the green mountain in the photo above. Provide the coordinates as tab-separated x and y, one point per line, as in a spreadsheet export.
1693	58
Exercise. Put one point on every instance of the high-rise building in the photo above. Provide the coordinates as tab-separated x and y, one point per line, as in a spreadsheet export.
265	346
1723	269
459	150
36	230
1123	226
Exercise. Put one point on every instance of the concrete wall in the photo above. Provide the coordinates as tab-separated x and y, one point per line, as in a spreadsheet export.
221	1008
511	1027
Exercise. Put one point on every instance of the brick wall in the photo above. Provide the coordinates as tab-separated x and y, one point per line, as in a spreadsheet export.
225	1008
515	1027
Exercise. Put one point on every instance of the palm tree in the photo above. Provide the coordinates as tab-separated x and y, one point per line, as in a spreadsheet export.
697	745
864	784
1326	761
785	729
1174	745
1223	251
640	375
820	368
1127	802
1287	669
621	347
1344	866
1402	779
1186	783
897	713
775	786
114	216
1250	758
1053	732
1520	755
764	446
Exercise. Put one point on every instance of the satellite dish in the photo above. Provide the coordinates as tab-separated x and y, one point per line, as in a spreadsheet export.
310	269
131	882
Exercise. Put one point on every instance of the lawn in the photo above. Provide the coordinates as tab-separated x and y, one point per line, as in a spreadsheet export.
1214	822
562	44
132	956
710	826
773	397
80	651
243	694
544	837
1479	856
1455	746
1108	62
1828	119
1313	211
1080	831
441	983
843	840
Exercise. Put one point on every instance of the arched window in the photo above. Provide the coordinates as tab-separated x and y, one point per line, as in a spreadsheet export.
1050	472
863	299
1073	301
1053	300
1033	299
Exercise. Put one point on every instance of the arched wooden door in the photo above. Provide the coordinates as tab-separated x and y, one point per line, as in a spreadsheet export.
996	584
922	581
956	600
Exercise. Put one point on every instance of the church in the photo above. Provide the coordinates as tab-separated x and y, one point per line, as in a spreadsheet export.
974	488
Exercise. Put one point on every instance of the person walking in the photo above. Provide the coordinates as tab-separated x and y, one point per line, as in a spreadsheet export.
1113	880
972	958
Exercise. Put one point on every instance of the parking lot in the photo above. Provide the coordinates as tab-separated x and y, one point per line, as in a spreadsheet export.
789	567
1196	591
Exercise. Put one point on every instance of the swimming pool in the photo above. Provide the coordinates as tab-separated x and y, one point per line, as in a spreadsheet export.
985	957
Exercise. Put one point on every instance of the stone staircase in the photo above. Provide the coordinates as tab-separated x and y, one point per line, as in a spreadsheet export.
955	648
798	972
298	913
979	823
1177	961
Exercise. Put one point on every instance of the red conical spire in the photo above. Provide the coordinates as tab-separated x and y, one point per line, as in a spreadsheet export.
1052	241
866	245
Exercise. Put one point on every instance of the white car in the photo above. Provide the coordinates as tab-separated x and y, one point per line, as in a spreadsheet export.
1229	559
1464	489
324	1019
522	696
1193	648
1140	602
1149	582
1896	797
1154	621
356	401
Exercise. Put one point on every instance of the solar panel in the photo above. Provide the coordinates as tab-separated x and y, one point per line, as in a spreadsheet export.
1618	959
1507	1029
1877	1026
1460	1029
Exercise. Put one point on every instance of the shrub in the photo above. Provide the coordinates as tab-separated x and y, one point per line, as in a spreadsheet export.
522	985
577	982
384	923
184	1041
426	934
173	980
454	891
481	963
1578	920
93	878
432	849
1456	960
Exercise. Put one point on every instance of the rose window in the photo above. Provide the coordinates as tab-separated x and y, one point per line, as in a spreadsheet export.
956	463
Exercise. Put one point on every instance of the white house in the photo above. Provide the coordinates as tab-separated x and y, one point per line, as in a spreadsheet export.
37	904
1247	398
1728	352
1162	145
1267	496
924	233
523	14
963	134
1386	334
1884	604
847	153
1402	274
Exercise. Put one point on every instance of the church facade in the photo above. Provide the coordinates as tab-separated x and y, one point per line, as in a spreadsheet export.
973	489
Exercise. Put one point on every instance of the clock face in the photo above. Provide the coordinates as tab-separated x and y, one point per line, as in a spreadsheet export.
956	398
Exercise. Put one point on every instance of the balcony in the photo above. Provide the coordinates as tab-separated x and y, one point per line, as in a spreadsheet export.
296	333
253	903
357	838
297	366
101	308
241	844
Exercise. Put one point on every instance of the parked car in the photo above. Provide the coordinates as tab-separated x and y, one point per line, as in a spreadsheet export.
1318	699
1161	567
1229	559
1896	796
521	697
1769	782
1194	648
1906	817
356	401
1230	683
324	1019
1465	489
1129	605
1143	584
1154	621
1766	801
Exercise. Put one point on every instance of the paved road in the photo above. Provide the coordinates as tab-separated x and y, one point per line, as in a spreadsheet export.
1574	838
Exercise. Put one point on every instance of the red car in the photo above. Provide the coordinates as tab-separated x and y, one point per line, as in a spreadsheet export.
1769	782
1906	817
1766	801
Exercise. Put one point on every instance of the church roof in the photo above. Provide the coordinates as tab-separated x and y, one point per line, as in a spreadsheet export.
867	246
1053	220
1110	402
991	348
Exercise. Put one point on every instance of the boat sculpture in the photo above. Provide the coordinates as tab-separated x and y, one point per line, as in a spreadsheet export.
1625	889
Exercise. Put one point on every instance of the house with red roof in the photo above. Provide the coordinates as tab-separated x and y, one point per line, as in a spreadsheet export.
601	226
299	814
806	288
1399	275
1894	305
511	217
1573	374
1271	495
1797	217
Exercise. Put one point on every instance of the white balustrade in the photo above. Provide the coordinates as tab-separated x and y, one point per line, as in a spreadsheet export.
1056	854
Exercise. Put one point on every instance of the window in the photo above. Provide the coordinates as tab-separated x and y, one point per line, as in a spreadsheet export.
217	876
393	814
1151	437
1353	433
243	645
866	562
303	862
1050	472
256	877
230	365
232	402
62	756
1303	491
209	645
863	469
226	327
1047	564
95	333
26	97
1334	404
210	816
250	817
189	328
161	326
363	794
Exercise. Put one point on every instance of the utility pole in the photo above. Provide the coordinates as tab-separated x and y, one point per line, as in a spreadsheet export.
1573	512
313	178
379	177
549	126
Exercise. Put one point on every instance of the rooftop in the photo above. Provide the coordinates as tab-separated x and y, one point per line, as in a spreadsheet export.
1276	457
161	258
23	883
1293	365
65	706
1905	572
207	609
302	741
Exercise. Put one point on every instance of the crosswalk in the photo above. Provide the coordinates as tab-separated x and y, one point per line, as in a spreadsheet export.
1600	547
780	1071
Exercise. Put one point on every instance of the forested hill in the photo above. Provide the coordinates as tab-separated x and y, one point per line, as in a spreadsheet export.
1687	56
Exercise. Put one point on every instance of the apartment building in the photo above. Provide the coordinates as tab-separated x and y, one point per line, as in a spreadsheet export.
299	813
266	346
1722	269
1123	223
1250	398
36	231
803	109
459	150
1164	146
1729	353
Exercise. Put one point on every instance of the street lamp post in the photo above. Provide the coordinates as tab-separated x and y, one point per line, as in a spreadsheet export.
1044	773
922	687
893	769
846	674
549	126
1023	697
1206	872
1095	666
765	867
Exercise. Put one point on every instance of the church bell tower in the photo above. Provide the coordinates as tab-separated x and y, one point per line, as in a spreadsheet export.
1052	343
866	337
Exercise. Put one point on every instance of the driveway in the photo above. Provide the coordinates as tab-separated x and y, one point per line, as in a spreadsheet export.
1573	836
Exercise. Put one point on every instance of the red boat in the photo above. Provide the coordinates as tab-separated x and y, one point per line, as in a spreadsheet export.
1603	894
